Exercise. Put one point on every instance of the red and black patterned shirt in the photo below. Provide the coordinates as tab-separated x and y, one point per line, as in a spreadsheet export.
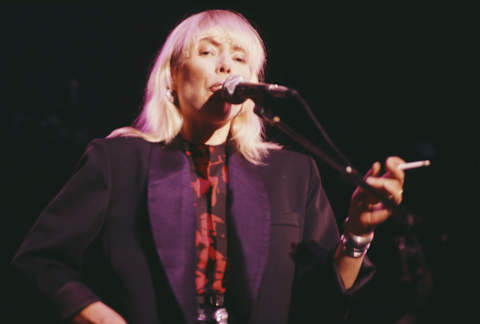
209	178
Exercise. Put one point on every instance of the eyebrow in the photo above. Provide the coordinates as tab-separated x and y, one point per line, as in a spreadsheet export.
235	47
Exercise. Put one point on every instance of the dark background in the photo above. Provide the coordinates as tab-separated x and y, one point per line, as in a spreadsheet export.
383	80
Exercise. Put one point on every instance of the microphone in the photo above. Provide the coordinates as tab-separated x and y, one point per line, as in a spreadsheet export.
235	90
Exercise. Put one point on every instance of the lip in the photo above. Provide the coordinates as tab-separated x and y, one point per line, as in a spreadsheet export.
216	86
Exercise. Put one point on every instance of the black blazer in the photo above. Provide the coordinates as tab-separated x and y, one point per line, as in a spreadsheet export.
122	231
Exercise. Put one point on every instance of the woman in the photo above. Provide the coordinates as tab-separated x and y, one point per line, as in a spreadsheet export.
191	216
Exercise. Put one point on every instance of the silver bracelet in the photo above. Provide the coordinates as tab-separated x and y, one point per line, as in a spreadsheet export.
355	246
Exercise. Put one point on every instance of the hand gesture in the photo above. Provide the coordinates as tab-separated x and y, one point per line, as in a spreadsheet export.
366	211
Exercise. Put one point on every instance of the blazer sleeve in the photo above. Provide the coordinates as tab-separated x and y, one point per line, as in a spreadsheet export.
316	273
51	253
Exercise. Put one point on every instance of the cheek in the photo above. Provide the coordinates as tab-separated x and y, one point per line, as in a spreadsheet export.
246	72
189	87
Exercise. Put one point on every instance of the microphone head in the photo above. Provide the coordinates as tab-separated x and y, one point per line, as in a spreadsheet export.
229	89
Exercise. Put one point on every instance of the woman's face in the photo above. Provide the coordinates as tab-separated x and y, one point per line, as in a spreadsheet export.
212	60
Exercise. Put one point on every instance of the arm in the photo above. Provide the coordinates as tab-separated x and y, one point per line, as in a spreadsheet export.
366	213
323	269
318	288
51	255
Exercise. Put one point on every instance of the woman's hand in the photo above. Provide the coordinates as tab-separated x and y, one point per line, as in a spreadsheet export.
367	212
98	313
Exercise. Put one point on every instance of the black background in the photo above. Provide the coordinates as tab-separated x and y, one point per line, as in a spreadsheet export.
383	80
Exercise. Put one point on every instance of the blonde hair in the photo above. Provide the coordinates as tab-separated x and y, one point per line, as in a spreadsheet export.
161	120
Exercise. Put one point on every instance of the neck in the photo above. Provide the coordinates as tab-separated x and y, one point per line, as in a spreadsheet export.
205	134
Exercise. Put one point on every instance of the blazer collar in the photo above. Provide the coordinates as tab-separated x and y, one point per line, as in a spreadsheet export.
172	218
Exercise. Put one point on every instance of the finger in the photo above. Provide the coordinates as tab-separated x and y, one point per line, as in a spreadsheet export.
392	168
378	215
379	183
374	170
391	188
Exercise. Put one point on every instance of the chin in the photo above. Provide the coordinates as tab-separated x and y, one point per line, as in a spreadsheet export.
217	110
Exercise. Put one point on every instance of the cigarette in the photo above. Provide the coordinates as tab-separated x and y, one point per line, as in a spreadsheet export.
414	165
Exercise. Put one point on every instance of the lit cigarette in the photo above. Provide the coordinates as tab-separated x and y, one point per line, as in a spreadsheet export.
414	165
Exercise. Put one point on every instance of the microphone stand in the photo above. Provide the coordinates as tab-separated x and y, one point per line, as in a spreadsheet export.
404	216
407	244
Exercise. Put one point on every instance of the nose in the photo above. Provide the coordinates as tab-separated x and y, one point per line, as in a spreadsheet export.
224	65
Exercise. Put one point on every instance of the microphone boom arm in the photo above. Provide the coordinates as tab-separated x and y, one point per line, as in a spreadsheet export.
348	172
408	244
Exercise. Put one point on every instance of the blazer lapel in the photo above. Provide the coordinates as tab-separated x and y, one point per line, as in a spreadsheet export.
172	218
249	232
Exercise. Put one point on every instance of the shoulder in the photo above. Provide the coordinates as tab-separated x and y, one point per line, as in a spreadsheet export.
119	146
121	143
119	152
286	159
288	167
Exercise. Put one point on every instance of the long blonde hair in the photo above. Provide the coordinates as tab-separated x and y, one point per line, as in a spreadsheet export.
161	120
